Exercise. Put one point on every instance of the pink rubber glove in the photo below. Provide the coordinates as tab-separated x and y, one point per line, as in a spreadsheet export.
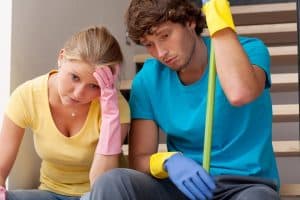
2	193
110	130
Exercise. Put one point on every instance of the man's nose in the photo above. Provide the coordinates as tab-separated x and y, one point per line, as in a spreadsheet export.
161	52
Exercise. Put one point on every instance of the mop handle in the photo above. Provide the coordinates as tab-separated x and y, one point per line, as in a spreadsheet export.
209	109
218	17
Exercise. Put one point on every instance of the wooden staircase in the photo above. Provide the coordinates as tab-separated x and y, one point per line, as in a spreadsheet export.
276	25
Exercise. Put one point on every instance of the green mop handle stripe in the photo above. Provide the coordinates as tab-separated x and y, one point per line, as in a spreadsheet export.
209	109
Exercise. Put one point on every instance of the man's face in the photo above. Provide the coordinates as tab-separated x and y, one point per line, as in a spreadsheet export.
172	44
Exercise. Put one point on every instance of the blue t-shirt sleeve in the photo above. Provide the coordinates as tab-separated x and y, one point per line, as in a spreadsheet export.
139	101
258	55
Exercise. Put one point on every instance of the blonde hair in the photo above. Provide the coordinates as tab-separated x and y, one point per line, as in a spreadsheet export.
94	45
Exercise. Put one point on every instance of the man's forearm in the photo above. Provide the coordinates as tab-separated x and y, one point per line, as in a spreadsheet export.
140	163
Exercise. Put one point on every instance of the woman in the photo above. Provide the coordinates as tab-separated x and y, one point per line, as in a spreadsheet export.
68	108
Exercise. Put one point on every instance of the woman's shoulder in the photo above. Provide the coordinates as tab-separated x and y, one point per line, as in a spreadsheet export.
35	82
34	85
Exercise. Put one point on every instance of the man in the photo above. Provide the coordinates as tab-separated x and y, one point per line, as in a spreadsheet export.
170	93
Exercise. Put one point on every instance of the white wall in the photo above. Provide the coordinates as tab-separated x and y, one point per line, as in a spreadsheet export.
5	50
39	29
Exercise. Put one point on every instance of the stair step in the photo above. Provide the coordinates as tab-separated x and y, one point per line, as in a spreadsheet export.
287	148
264	13
267	28
140	58
263	8
275	51
291	50
281	148
286	113
271	34
290	190
284	82
125	85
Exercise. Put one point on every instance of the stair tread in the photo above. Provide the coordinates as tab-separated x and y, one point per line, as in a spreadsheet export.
286	113
287	148
281	148
284	82
290	190
284	78
286	109
291	50
264	13
263	8
263	29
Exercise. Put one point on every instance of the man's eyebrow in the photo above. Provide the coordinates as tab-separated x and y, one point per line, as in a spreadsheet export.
160	30
143	41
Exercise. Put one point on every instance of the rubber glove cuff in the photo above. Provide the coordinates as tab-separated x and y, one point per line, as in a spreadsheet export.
110	129
157	161
2	193
218	15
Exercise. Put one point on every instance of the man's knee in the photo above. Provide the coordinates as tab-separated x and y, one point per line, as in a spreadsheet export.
258	192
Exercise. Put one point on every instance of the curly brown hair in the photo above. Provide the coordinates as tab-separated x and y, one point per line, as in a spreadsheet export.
143	15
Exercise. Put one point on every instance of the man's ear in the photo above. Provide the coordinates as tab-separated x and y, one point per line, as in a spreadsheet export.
60	57
191	24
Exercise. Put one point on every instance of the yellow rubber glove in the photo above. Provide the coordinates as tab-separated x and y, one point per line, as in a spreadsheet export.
218	15
157	161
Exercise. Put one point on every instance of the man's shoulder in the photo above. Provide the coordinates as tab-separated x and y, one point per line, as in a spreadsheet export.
251	41
152	69
151	74
152	65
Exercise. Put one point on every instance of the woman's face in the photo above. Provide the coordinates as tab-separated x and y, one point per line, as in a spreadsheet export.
76	83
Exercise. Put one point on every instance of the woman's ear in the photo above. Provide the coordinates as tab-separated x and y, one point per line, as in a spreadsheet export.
60	57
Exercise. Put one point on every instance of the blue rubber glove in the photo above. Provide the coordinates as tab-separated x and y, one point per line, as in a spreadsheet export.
189	177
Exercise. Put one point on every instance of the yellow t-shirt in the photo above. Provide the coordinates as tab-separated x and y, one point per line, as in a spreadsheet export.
66	161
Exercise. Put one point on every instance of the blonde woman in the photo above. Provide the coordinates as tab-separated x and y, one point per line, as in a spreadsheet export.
77	109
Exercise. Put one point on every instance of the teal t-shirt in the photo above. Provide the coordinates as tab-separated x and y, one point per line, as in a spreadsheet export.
242	136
